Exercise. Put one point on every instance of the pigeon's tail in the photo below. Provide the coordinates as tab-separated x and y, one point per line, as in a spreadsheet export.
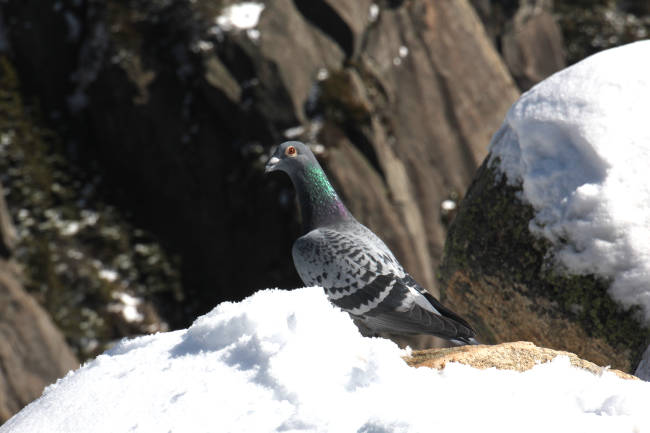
425	316
419	321
467	342
464	327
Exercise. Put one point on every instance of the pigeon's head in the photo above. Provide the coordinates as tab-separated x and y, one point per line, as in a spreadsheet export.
290	157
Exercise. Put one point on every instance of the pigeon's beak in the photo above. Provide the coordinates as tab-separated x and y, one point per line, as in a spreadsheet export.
271	165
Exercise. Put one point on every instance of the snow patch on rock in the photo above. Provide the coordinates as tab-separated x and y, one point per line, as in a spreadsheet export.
579	144
242	16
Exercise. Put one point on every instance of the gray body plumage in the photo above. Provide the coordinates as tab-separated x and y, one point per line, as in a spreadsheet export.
361	275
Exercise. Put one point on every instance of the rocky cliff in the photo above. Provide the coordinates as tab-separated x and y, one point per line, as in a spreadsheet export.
179	105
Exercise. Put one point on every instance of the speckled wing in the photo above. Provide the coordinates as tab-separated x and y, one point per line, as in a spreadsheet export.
361	276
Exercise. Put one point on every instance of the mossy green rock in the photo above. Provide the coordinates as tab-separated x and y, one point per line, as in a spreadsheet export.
498	276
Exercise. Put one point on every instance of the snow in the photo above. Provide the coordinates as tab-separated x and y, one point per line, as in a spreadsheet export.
373	13
294	132
253	35
108	275
290	361
242	16
323	74
579	143
128	306
448	205
202	46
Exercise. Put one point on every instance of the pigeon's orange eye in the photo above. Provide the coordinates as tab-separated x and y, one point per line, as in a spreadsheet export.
291	151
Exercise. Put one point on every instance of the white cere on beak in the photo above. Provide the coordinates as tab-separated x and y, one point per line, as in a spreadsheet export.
273	161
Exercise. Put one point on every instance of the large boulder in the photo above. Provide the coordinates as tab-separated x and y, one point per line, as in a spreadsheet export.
546	246
495	274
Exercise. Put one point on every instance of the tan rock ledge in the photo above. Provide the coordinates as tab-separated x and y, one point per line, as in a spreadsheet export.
519	356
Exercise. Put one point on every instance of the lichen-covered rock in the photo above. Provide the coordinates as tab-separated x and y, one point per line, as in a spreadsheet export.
520	356
494	273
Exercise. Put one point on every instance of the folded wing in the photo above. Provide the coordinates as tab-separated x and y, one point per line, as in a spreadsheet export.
361	276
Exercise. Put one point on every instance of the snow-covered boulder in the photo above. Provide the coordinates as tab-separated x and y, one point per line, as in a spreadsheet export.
552	241
290	361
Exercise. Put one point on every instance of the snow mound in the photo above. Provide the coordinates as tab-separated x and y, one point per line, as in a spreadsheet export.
290	361
241	16
579	144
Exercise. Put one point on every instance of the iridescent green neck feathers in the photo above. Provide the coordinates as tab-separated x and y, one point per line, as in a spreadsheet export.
319	204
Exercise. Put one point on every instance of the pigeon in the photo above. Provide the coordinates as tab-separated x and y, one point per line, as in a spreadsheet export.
357	271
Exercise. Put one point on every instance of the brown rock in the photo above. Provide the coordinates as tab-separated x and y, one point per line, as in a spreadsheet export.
527	35
343	20
8	235
495	274
532	44
519	356
33	352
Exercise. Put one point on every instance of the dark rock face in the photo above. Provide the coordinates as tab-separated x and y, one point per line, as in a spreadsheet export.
494	274
33	352
98	276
